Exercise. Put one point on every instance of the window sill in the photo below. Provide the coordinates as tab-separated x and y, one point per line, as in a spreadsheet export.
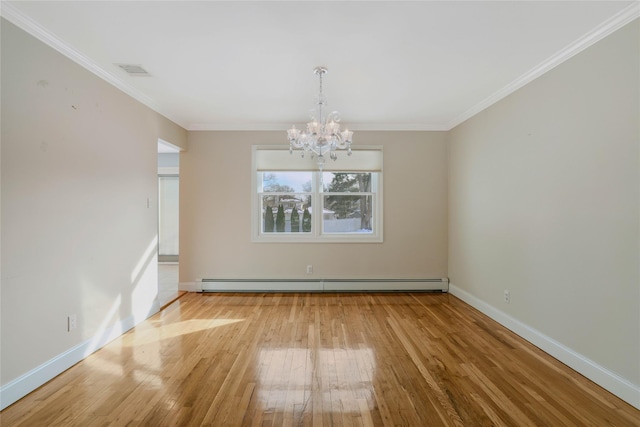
327	238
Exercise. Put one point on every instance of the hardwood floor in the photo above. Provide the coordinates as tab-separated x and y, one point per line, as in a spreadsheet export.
409	359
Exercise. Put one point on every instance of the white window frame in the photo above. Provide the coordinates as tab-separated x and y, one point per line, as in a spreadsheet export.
317	234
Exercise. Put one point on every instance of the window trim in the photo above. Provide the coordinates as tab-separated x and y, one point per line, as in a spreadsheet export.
317	235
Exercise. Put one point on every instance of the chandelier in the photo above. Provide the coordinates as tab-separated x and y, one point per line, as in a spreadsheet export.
323	133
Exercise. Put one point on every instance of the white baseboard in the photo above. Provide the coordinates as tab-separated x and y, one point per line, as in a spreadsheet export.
610	381
28	382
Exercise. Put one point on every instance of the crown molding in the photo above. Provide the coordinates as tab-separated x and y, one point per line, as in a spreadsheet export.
22	21
609	26
284	126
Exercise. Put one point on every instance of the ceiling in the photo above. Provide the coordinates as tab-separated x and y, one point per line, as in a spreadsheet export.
420	65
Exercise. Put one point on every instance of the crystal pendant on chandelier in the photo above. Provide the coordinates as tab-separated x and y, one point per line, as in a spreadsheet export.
323	133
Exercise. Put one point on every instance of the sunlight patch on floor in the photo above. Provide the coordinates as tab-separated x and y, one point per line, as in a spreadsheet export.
173	330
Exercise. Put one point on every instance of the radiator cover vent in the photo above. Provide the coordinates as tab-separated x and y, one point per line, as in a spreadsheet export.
324	285
134	70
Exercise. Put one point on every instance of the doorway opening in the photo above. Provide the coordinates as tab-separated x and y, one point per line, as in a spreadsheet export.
168	220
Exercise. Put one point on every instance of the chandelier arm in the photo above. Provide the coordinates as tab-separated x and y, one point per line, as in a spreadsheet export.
335	116
340	143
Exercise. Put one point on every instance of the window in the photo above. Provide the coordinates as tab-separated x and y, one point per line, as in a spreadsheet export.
168	214
294	202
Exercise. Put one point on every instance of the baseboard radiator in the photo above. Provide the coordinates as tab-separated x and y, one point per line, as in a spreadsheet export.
324	285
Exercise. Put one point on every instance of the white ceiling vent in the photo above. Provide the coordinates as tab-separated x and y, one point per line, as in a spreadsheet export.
134	70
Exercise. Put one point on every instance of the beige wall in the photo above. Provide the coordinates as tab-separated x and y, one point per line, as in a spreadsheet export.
79	160
544	201
215	216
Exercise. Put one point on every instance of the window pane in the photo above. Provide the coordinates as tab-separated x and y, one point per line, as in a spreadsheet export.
338	182
168	214
295	213
348	214
286	182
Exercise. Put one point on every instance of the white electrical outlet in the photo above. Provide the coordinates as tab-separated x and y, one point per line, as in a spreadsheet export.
72	322
507	296
309	269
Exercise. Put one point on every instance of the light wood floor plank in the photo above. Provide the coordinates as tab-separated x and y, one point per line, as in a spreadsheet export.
406	359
